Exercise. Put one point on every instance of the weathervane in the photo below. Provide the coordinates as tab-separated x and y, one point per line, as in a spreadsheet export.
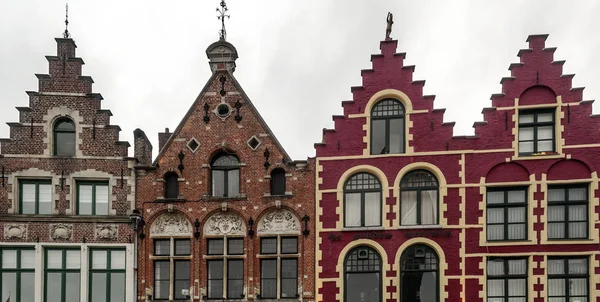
390	21
223	13
66	34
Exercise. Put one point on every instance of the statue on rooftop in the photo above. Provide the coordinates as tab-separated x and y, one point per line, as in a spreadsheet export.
390	22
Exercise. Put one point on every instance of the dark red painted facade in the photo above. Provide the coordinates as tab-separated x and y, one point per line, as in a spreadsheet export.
466	167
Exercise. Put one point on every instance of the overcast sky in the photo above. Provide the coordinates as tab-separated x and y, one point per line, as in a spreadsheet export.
297	59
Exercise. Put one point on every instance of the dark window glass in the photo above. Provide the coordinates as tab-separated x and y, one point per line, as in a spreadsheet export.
107	275
419	198
268	245
568	212
235	246
92	198
182	278
278	182
162	247
215	246
387	127
289	245
419	269
17	267
507	279
536	131
235	279
506	214
182	247
62	275
362	197
162	279
225	176
215	279
64	138
171	185
268	278
35	197
362	275
568	279
289	278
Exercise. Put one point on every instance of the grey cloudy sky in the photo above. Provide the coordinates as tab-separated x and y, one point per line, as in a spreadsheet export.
298	59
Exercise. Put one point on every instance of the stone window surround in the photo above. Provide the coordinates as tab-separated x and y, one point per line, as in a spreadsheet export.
51	117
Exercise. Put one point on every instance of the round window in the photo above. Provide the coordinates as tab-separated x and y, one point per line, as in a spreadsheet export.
223	110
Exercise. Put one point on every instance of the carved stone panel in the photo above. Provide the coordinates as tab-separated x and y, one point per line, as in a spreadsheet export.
171	224
15	231
226	223
61	231
107	231
279	222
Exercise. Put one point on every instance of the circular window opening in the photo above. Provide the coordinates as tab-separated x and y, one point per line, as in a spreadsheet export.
223	110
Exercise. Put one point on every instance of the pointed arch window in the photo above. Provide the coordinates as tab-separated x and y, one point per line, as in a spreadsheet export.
387	127
362	201
419	279
225	176
171	185
278	181
64	137
419	198
362	275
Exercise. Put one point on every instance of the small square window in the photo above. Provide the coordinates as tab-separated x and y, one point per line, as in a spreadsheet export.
289	245
215	246
182	247
235	246
268	245
162	247
253	142
193	145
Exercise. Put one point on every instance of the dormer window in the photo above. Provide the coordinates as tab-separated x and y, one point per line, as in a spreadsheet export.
171	185
536	132
387	127
278	181
225	176
64	137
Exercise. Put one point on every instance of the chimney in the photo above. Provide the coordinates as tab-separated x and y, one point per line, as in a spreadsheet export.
142	147
163	137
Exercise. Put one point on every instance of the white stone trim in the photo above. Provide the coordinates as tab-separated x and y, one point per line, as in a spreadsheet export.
33	174
51	116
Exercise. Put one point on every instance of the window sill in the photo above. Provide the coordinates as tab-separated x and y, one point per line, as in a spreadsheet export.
508	241
361	229
211	198
162	200
64	218
546	155
267	195
566	240
420	226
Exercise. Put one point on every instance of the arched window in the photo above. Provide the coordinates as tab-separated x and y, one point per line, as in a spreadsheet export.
362	201
362	275
387	127
278	181
419	279
171	185
419	198
64	137
225	176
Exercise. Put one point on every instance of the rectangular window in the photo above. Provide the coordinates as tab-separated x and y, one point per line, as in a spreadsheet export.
171	268
568	279
17	266
268	279
506	214
181	275
536	131
92	198
568	212
107	275
215	279
62	275
162	279
279	268
507	279
35	197
235	278
225	266
289	278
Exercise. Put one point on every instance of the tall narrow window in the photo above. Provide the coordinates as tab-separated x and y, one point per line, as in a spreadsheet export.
225	176
419	279
171	253
536	131
278	181
279	262
92	198
568	279
64	137
171	185
62	275
419	198
107	275
507	279
362	275
506	214
362	201
225	261
35	196
568	212
387	127
17	266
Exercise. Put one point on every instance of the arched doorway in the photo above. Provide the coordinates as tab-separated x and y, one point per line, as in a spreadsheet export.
419	278
362	275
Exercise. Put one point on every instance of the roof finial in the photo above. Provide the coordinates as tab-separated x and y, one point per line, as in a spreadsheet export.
390	22
223	13
66	34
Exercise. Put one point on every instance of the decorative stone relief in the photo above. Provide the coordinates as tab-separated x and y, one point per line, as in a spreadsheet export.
107	231
279	222
171	224
15	231
61	231
225	224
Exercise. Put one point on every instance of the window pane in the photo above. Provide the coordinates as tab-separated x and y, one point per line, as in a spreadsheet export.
577	230
53	286
99	287
578	266
182	247
162	247
161	279
102	200
545	146
54	259
495	215
495	288
526	134
289	268
556	287
525	147
396	136
429	207
408	202
516	196
215	246
353	210
516	214
73	258
235	277
372	209
516	231
363	287
65	143
85	200
578	194
556	195
517	287
289	245
556	213
9	285
117	259
161	289
27	284
162	270
556	230
545	133
233	183
495	267
28	198
494	197
517	267
545	117
99	259
495	232
117	287
578	287
72	291
268	275
268	245
268	268
556	266
218	183
525	118
45	199
9	259
215	279
378	137
235	246
215	269
27	259
182	278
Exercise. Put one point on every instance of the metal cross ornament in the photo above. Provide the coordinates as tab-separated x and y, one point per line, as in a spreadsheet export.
66	34
222	14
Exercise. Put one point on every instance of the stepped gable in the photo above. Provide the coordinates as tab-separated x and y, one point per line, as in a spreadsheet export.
64	91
